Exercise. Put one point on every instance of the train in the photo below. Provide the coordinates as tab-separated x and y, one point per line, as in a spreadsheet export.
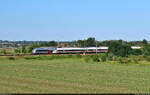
73	50
43	50
70	50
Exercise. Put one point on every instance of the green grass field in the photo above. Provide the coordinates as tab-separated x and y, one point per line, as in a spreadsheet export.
70	75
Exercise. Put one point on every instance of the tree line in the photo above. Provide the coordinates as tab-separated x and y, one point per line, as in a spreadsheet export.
116	47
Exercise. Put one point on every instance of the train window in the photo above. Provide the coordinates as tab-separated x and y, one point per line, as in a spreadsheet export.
42	50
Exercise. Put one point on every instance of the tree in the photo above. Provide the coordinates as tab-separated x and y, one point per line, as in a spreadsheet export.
117	48
24	49
137	52
52	43
4	51
90	42
32	47
144	42
16	51
138	43
103	57
81	43
146	50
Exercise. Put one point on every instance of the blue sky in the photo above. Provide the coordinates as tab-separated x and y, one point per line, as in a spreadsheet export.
69	20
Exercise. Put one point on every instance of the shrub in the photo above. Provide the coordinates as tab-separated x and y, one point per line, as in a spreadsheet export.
124	60
78	56
120	60
129	60
135	61
11	58
144	56
70	56
103	57
29	57
110	59
110	56
115	58
45	57
95	58
137	52
147	58
87	59
41	57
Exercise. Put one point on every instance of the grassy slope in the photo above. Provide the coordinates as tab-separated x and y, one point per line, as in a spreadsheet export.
72	76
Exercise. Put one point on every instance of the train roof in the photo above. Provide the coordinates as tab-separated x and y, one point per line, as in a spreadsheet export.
76	48
45	48
135	47
98	48
70	48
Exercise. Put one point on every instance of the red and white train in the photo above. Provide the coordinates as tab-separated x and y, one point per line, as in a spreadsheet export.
70	50
80	50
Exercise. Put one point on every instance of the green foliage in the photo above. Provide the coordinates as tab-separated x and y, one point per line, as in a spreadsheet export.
39	57
95	58
146	50
70	56
52	43
124	60
29	57
32	47
11	58
16	51
136	61
90	42
144	42
49	57
87	59
147	58
4	51
103	57
110	56
137	52
80	43
118	48
24	49
78	56
144	56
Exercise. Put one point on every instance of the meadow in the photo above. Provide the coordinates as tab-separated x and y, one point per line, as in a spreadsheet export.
72	75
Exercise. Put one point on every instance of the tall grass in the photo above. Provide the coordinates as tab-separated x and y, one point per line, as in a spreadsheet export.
57	76
42	57
86	58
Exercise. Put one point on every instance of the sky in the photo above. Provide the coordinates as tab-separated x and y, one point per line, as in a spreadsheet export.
68	20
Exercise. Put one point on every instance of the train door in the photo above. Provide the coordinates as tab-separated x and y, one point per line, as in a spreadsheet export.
49	52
